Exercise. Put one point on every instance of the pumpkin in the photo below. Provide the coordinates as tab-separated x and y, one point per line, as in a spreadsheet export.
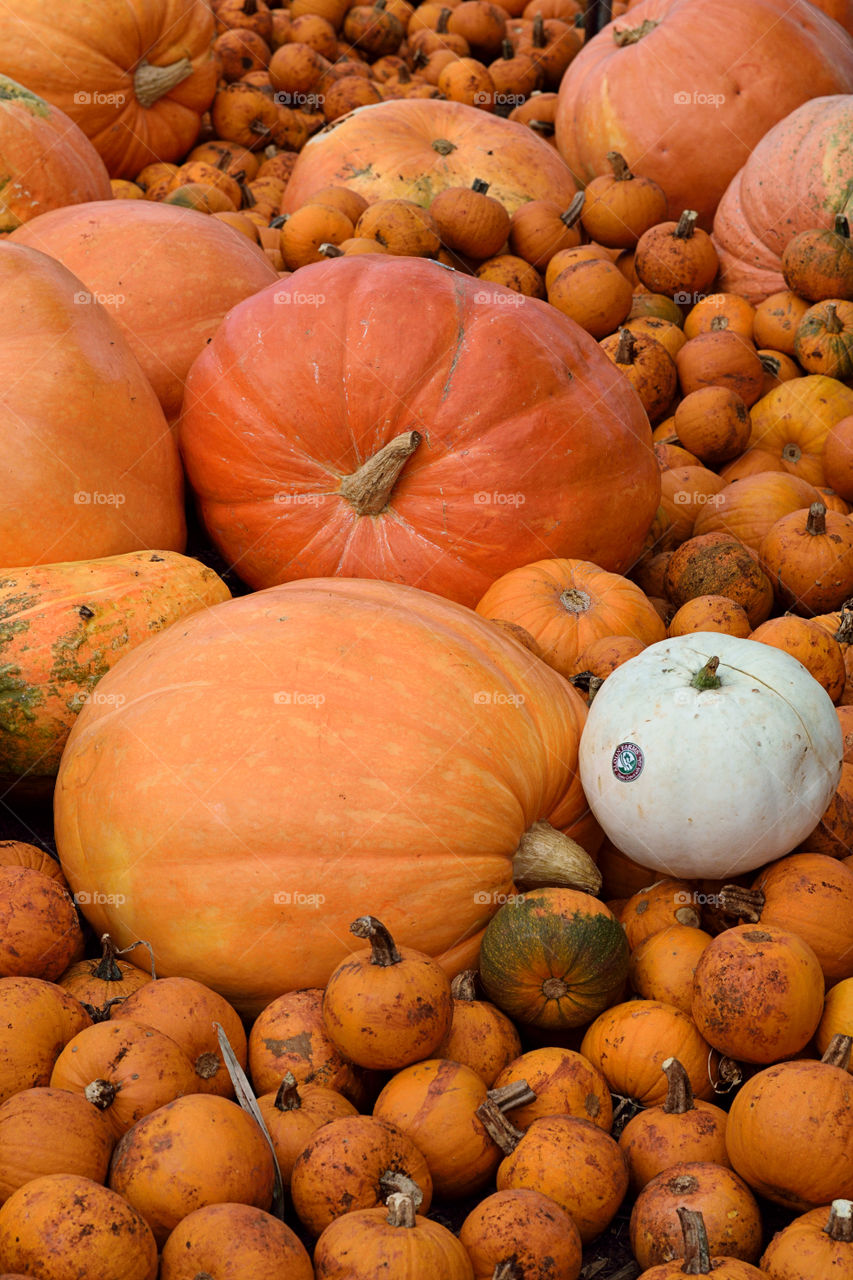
824	339
434	144
730	1212
31	1123
620	206
564	1083
513	273
713	423
745	509
676	258
148	68
383	1007
49	162
678	1130
776	320
771	1126
292	1114
812	645
572	1161
37	1019
396	1238
719	358
656	907
524	1229
809	558
553	958
289	1036
629	1043
132	259
188	1012
818	263
648	366
609	652
817	1243
837	1016
696	1257
685	493
125	1069
15	853
97	983
353	1163
65	625
721	311
710	613
669	335
693	693
471	221
566	604
807	154
692	51
197	1150
40	933
838	456
78	488
203	1243
662	966
64	1216
793	420
481	1036
594	293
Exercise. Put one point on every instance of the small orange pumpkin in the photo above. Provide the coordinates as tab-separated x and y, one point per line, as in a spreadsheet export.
648	366
621	206
729	1209
808	557
710	613
680	1130
676	258
662	967
656	907
713	423
524	1230
481	1036
594	293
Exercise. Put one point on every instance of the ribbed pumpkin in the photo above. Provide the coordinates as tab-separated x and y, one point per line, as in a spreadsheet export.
98	982
808	154
147	67
419	468
554	958
281	650
77	487
630	1042
49	162
694	131
65	625
152	265
793	420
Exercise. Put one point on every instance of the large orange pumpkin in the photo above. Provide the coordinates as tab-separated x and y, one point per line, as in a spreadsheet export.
414	148
90	468
796	178
330	797
423	465
684	89
135	75
154	266
47	161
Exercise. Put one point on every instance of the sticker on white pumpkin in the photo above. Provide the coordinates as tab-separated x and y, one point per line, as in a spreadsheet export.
627	762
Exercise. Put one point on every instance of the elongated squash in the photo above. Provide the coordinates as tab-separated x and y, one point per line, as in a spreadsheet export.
62	626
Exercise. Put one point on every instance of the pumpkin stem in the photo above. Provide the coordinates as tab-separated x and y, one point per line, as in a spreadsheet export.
151	83
679	1094
101	1094
369	489
499	1129
706	677
632	35
517	1094
480	186
832	322
719	324
441	25
392	1182
507	50
329	250
686	224
842	226
844	634
538	37
770	364
541	126
595	683
546	856
464	985
575	601
838	1051
840	1225
626	347
102	1014
508	1269
287	1098
574	211
816	522
106	970
729	1074
697	1255
384	951
206	1065
745	904
401	1210
619	165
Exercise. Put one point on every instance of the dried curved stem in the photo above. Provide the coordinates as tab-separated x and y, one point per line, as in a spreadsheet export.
368	490
382	946
152	83
546	856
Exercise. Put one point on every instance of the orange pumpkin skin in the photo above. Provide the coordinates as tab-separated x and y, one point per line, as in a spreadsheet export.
30	1122
629	1042
567	604
197	1150
575	1163
517	165
267	524
808	555
693	44
747	508
77	488
40	933
16	853
717	563
48	161
837	1016
63	1216
793	420
808	152
731	1214
135	256
681	1130
293	1114
525	1225
811	895
130	122
710	613
481	1036
564	1082
203	1242
290	1035
656	907
770	1134
817	1243
366	1241
97	982
37	1019
662	967
818	651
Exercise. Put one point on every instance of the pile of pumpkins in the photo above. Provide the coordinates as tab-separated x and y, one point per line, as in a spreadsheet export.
403	364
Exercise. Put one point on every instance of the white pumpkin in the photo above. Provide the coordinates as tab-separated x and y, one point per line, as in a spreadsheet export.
716	781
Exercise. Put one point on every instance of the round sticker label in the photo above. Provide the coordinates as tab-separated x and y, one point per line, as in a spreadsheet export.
627	762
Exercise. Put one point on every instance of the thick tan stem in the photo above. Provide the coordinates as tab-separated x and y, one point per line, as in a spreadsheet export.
401	1210
619	165
574	600
394	1183
679	1094
632	35
152	83
369	489
442	145
574	211
330	250
287	1098
517	1094
686	224
384	951
464	985
816	521
742	904
832	323
206	1065
107	969
697	1255
840	1225
626	347
546	856
499	1129
101	1094
838	1052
